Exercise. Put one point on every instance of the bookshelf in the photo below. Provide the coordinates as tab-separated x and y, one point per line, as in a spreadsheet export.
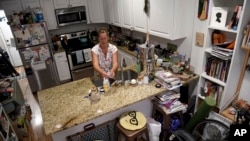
236	62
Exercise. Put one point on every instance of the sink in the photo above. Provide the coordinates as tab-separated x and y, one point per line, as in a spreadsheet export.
127	74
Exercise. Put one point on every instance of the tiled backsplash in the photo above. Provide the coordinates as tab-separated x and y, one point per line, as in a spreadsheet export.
77	27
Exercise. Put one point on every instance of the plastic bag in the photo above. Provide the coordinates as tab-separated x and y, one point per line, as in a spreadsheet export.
154	129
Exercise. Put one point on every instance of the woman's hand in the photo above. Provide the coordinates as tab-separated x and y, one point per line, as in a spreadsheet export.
111	74
104	74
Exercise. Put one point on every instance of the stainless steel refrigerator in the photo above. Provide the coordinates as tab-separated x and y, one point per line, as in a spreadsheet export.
35	50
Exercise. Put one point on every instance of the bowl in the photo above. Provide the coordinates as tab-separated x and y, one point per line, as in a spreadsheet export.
133	81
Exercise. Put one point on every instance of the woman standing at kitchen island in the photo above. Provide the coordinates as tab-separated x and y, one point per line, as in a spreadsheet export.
105	56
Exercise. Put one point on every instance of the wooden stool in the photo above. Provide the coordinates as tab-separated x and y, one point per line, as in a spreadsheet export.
131	135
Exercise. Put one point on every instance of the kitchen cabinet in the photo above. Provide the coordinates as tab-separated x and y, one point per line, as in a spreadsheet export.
130	60
167	17
62	66
107	9
115	12
10	6
96	11
49	14
29	3
139	17
69	3
127	14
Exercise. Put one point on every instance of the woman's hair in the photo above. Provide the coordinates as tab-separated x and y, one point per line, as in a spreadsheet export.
103	31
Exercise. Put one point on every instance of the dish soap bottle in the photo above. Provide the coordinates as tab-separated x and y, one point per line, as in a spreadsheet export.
106	84
138	64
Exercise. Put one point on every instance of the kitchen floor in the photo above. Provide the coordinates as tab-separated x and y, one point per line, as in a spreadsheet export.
36	132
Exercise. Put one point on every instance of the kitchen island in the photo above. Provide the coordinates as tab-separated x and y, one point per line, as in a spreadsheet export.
65	110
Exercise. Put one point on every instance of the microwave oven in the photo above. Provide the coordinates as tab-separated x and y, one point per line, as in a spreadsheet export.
72	15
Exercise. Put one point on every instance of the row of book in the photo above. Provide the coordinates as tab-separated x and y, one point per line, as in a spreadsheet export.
217	68
233	23
169	100
212	89
246	38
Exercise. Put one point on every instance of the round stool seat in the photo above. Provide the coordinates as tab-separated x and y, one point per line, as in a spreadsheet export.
132	120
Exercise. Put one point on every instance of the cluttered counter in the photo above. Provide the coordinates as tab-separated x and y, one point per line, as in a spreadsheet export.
64	106
67	105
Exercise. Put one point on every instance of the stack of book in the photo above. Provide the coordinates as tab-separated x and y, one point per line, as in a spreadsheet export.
167	80
169	100
222	53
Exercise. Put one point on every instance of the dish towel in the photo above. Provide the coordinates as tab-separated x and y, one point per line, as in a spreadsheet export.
79	56
87	55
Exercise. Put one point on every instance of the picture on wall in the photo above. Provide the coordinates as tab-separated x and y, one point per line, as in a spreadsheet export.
218	17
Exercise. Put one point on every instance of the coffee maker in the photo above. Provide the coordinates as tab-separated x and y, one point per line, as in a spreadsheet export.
146	56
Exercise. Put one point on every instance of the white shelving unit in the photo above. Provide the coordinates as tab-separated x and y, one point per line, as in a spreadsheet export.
7	132
230	84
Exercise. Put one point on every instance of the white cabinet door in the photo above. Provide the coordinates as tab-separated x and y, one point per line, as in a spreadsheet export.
139	16
63	70
10	6
117	12
96	11
130	60
61	4
30	3
75	3
62	66
49	14
127	14
69	3
120	56
167	17
107	10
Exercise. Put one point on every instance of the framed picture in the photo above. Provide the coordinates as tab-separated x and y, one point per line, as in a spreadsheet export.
218	17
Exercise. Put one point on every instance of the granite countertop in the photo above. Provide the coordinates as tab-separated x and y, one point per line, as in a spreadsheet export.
65	105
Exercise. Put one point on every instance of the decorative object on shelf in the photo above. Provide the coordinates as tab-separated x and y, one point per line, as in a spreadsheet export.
233	24
218	17
199	39
246	39
203	9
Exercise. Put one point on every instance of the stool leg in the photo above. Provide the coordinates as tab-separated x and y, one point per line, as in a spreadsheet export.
119	137
147	136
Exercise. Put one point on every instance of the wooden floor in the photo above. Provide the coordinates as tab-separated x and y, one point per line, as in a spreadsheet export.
36	123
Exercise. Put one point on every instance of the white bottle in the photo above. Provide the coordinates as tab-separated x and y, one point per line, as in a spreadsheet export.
106	84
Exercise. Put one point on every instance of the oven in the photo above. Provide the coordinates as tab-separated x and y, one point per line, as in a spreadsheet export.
78	49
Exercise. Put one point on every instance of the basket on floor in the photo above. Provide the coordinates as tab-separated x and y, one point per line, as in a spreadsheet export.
104	132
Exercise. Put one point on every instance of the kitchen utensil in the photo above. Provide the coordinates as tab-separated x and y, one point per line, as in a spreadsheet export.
132	46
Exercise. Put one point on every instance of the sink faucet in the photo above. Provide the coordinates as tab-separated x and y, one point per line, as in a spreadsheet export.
123	65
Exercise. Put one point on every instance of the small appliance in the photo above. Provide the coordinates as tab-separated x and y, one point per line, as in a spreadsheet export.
73	15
